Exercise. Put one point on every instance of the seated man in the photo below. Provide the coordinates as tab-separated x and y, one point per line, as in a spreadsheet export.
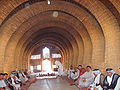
3	85
87	78
25	77
75	74
15	82
26	73
8	83
30	79
111	81
81	72
98	80
70	71
21	76
81	69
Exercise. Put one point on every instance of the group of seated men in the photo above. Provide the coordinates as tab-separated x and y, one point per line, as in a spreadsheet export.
18	80
94	80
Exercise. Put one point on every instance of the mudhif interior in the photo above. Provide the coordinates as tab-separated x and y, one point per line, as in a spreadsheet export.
59	44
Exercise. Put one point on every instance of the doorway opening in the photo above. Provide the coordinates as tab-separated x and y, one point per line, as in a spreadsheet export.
43	61
46	60
46	65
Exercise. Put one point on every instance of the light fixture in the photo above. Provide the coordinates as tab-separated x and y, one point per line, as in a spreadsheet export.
48	1
55	14
27	5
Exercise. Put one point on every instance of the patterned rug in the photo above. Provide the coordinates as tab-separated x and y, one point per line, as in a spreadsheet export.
47	77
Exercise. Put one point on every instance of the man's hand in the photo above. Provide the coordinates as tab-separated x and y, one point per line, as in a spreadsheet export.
78	80
84	80
1	88
7	88
89	87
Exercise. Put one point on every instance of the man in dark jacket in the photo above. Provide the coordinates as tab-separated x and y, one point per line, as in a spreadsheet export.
8	83
111	81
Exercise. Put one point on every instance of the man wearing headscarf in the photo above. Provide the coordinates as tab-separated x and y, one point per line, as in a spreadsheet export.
7	82
15	81
21	76
3	85
70	71
111	81
75	74
98	80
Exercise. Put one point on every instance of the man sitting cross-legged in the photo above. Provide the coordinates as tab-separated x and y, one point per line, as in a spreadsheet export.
98	80
112	80
87	78
8	82
70	71
3	85
80	71
75	75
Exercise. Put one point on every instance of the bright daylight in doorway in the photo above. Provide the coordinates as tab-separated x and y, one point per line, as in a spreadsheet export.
46	65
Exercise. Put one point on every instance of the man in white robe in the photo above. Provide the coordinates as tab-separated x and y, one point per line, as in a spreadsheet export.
98	81
112	80
15	81
25	77
60	67
21	76
87	78
3	85
75	74
70	72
